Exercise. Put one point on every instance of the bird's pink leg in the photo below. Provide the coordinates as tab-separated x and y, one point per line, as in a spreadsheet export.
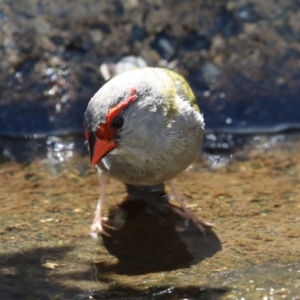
98	224
185	213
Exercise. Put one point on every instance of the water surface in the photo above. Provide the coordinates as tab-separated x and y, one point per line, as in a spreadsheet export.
251	195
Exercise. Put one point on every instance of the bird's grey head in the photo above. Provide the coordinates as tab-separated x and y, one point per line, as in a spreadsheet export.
105	119
131	117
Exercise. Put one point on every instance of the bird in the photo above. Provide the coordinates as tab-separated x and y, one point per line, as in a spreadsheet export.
143	127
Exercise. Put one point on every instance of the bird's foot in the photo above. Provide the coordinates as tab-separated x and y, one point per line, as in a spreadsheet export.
189	216
97	228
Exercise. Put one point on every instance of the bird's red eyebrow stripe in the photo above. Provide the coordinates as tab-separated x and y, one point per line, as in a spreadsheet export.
105	131
119	107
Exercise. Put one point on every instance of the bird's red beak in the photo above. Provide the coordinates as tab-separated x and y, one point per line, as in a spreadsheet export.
99	148
101	142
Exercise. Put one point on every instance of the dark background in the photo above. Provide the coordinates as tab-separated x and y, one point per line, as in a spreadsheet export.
242	58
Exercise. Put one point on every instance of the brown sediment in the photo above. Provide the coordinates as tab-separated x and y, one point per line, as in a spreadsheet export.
254	202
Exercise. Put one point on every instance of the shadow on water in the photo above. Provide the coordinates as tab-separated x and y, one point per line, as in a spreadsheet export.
23	277
146	242
148	237
162	292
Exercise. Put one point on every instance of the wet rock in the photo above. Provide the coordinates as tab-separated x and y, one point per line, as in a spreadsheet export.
110	69
210	71
227	24
26	66
195	42
57	40
103	27
197	81
222	143
138	33
247	50
248	13
118	8
165	45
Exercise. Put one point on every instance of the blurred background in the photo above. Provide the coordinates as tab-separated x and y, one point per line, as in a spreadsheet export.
241	57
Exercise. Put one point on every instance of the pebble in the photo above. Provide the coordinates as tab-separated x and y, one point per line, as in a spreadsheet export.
110	69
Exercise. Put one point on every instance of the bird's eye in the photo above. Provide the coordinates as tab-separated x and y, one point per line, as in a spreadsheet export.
118	122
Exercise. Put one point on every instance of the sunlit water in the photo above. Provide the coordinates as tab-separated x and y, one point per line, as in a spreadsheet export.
249	189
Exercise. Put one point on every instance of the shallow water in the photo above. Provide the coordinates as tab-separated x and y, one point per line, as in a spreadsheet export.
251	194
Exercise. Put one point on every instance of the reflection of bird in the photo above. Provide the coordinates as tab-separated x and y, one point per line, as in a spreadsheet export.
143	128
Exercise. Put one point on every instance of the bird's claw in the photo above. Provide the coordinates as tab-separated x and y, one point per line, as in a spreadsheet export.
97	228
189	216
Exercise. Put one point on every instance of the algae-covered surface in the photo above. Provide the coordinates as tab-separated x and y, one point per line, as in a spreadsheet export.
252	196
